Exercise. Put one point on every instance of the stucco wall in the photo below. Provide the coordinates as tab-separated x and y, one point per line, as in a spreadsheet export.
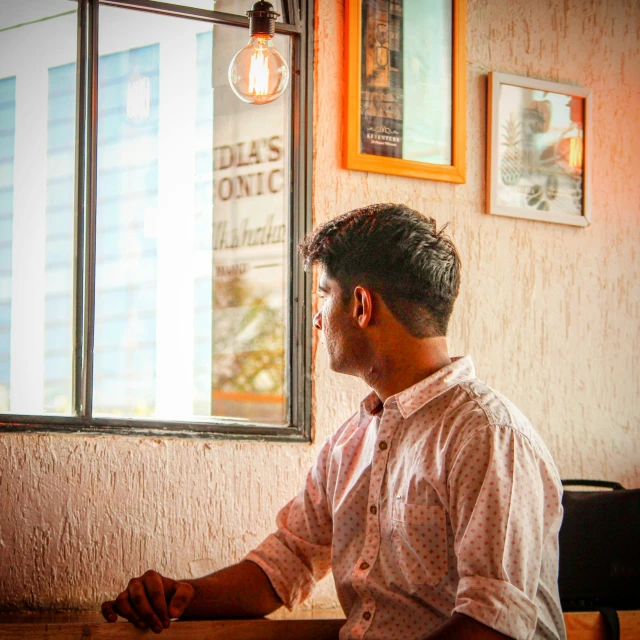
551	315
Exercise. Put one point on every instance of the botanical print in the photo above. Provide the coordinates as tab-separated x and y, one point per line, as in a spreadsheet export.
540	151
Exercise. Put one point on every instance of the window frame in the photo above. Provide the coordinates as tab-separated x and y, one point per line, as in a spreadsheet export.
298	24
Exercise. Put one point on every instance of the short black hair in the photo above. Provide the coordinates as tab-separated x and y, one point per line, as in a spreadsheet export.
396	252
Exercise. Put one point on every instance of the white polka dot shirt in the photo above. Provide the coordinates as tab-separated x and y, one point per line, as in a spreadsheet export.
444	500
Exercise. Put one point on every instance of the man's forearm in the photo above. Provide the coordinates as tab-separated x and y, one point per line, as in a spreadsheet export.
239	591
461	627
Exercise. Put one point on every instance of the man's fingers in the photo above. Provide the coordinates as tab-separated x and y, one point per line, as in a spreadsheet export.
181	598
148	601
140	602
122	606
154	586
108	612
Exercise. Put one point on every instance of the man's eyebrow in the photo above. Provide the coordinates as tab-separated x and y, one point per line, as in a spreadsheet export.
322	289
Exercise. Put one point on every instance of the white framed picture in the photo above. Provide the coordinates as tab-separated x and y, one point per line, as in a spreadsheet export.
538	150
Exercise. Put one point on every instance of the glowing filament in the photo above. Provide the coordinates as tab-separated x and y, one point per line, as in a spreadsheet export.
259	73
575	153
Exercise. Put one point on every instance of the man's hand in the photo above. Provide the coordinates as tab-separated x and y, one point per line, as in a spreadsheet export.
242	590
150	601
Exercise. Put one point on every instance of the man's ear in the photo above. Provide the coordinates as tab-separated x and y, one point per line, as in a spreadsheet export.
363	307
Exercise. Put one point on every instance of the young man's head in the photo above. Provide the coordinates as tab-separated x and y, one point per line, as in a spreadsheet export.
397	253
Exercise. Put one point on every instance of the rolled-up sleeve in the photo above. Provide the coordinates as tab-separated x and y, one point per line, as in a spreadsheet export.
504	498
298	554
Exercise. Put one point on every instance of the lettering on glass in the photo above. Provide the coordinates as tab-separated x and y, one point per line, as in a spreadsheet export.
250	266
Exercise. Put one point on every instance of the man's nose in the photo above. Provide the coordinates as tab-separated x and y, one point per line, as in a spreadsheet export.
317	321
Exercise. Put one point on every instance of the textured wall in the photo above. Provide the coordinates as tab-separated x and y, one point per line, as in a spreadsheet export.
551	315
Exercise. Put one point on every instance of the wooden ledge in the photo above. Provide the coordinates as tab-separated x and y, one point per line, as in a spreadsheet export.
186	630
80	626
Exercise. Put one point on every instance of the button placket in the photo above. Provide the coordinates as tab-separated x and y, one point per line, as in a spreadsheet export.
363	624
372	527
371	547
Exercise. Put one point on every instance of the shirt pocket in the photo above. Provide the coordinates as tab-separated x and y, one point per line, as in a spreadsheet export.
419	541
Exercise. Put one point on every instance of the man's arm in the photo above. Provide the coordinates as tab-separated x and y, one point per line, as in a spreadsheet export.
504	503
240	591
461	627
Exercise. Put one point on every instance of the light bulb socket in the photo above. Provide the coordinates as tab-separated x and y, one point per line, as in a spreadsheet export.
262	19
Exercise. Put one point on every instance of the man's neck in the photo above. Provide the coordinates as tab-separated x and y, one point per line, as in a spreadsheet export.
398	369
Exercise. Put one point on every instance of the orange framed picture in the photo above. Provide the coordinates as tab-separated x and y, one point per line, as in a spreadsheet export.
405	93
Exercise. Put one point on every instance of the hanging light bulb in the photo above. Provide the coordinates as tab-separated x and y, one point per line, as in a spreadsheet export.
259	73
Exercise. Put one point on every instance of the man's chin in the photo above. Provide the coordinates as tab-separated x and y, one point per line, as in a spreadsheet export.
335	365
341	367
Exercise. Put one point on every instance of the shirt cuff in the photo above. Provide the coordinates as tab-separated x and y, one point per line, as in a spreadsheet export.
498	605
289	576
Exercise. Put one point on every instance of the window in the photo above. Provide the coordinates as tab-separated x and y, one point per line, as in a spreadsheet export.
149	280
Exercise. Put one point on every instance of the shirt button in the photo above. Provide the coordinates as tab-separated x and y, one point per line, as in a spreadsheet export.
364	566
366	615
382	446
373	510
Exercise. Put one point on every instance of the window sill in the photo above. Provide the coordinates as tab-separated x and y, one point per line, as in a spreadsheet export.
227	430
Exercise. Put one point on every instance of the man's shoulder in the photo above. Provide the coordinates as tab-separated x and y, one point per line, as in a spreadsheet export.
354	427
485	408
477	396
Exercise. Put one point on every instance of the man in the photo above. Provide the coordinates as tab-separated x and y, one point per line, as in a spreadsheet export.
436	506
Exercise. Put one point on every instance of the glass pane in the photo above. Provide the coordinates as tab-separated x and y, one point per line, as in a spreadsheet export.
237	7
192	258
37	165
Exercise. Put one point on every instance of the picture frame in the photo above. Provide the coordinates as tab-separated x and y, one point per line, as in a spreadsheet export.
538	150
405	88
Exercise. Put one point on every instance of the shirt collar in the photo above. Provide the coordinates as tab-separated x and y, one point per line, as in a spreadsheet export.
423	392
371	404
